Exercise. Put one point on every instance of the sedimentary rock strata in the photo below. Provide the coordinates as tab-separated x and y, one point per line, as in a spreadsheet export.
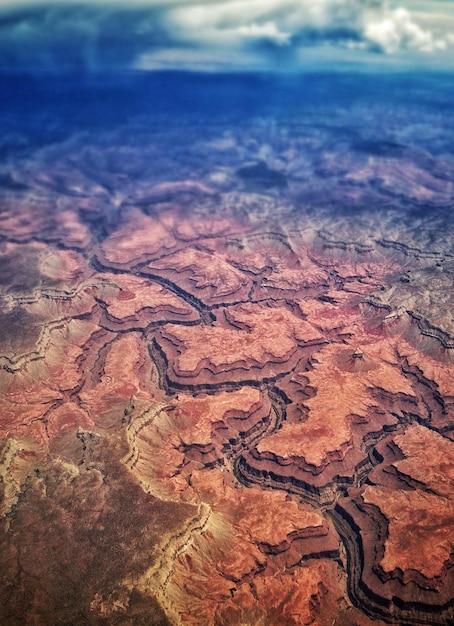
252	341
130	301
273	536
206	275
345	380
137	238
221	405
401	526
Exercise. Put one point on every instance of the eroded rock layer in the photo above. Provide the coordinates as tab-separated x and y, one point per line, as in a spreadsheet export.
220	405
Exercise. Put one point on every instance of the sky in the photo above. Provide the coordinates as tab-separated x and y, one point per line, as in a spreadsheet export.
224	35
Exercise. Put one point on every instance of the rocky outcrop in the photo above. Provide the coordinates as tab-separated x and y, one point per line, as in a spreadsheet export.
131	302
399	529
252	342
207	276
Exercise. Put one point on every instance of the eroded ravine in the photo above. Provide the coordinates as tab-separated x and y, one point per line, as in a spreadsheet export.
229	397
394	412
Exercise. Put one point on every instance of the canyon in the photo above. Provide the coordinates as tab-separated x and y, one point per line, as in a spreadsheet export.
221	405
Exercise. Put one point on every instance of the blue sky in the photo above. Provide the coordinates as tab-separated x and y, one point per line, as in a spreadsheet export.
225	35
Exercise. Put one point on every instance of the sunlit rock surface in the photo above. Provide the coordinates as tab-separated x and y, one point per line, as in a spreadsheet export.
227	379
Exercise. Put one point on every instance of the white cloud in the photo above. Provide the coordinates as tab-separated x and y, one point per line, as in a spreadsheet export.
189	33
398	31
353	23
288	17
268	30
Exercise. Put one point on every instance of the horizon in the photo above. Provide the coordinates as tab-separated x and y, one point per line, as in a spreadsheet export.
224	35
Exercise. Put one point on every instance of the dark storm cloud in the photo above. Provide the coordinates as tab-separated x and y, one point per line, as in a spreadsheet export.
153	33
55	37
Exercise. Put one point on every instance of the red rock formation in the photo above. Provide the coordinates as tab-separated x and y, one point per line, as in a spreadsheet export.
277	267
270	534
441	373
241	535
138	238
325	439
207	276
248	347
167	444
122	381
420	444
41	375
37	217
405	519
136	302
421	531
293	598
201	410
